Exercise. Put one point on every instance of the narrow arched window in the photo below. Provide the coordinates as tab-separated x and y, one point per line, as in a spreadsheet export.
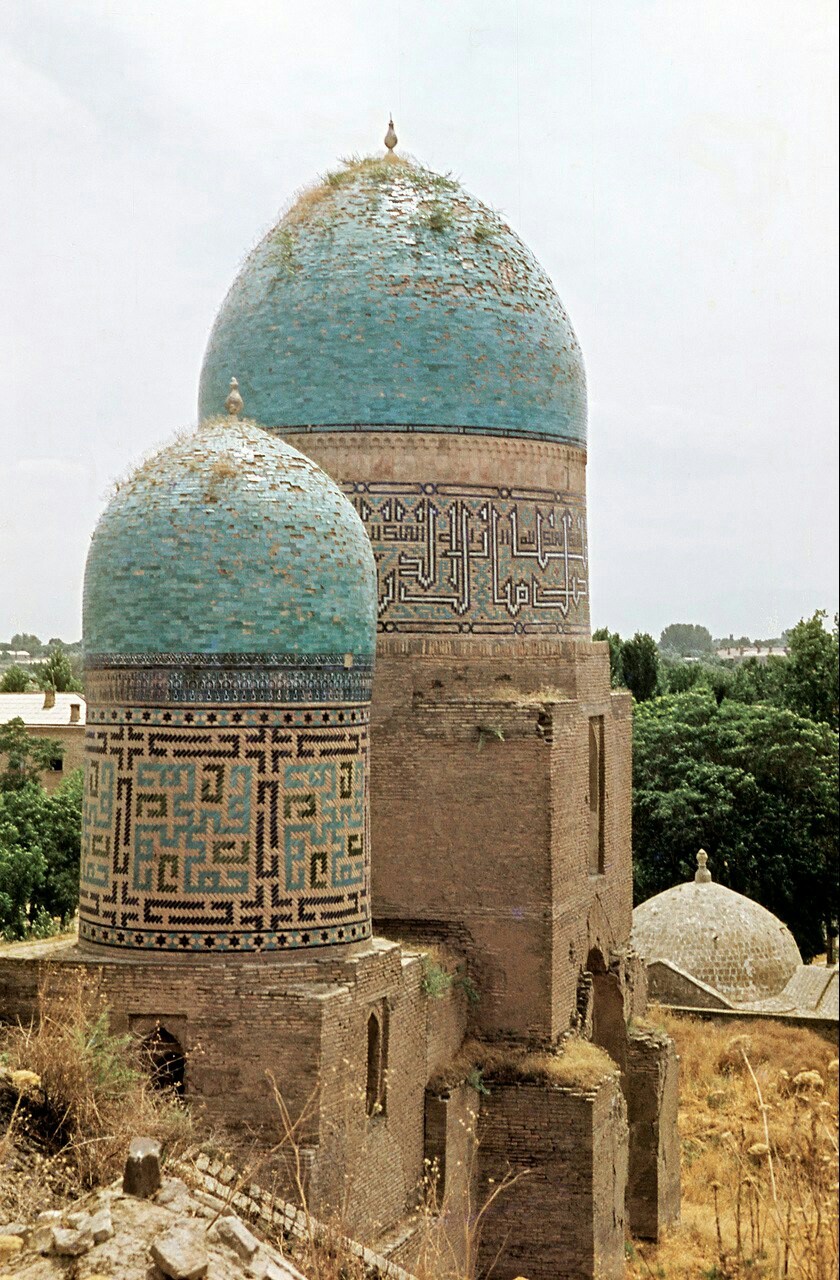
165	1061
596	795
375	1090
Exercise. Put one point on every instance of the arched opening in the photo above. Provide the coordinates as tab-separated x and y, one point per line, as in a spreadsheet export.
609	1028
375	1088
597	795
165	1061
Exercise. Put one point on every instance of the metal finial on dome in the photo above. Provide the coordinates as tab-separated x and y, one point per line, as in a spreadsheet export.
702	875
234	403
391	138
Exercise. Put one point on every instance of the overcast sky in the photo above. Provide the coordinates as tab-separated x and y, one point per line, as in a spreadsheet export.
671	162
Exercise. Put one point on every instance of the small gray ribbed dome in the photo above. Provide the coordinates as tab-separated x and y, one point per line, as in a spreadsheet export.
719	936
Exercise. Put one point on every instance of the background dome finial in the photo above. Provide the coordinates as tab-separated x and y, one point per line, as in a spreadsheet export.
702	875
391	138
234	403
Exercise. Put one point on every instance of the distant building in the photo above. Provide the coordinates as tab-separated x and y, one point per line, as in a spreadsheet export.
51	715
737	653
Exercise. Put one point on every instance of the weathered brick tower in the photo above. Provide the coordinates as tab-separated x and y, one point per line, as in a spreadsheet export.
398	332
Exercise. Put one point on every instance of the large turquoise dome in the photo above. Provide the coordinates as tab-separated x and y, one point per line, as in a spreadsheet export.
388	297
229	542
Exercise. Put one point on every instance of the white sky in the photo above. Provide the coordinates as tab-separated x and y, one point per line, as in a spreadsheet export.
671	162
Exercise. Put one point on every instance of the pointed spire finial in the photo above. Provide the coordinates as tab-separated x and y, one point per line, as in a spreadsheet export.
702	875
391	138
234	403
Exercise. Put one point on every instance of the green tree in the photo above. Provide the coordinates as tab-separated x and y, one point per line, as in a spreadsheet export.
755	785
640	666
57	673
613	639
809	675
61	841
25	640
40	841
754	681
21	875
23	755
15	680
686	638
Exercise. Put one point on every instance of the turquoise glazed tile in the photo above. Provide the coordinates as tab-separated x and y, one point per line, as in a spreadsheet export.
390	298
230	542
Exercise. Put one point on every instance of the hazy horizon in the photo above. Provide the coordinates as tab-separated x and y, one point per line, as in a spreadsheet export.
672	165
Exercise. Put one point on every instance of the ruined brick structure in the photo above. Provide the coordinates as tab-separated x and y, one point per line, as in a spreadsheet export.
397	333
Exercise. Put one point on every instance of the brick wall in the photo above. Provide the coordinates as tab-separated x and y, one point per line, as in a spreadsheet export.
480	815
651	1086
246	1025
564	1215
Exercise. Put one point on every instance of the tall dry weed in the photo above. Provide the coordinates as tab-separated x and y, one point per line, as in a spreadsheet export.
87	1093
758	1129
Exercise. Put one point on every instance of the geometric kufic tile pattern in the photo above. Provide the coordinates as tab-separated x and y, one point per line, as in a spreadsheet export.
234	838
479	559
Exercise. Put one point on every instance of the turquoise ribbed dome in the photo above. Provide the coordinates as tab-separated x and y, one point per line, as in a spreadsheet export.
390	297
229	541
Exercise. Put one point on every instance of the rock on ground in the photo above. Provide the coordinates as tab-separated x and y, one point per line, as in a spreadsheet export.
171	1234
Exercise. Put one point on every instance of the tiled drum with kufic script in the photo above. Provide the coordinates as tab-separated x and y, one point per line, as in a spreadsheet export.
226	790
397	331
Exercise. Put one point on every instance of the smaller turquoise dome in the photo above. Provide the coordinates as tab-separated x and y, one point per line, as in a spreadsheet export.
229	541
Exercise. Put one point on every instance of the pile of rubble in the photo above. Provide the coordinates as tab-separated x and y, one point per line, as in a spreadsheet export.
142	1226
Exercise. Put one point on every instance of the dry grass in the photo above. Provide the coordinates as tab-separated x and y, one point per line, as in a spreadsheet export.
81	1099
577	1064
374	169
758	1130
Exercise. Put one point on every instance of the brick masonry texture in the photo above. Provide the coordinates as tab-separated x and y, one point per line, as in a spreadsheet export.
564	1218
298	1022
433	310
488	541
651	1087
498	865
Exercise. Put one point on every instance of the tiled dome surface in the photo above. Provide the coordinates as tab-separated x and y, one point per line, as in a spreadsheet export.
229	541
390	297
719	936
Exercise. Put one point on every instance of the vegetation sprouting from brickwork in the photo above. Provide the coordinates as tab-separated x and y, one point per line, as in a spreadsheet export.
575	1064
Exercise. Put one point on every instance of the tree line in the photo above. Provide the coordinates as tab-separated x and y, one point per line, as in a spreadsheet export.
741	759
60	671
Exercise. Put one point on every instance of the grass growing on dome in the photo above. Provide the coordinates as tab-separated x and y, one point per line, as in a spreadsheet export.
483	231
373	170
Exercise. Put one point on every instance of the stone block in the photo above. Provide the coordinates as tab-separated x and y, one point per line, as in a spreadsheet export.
180	1254
232	1232
142	1168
